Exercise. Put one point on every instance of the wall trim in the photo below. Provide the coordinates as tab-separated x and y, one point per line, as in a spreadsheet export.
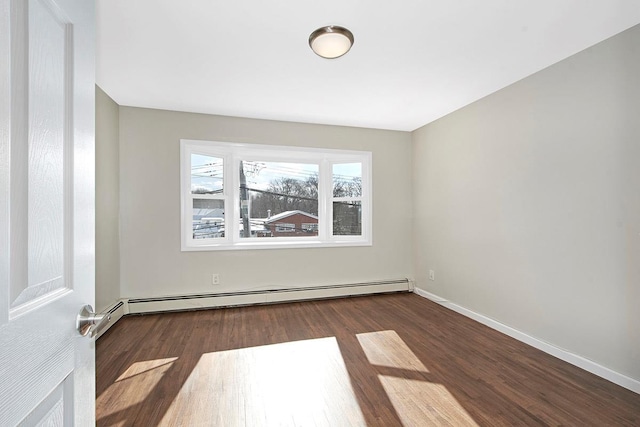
567	356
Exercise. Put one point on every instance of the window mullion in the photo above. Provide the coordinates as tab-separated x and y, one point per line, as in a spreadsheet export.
232	193
325	192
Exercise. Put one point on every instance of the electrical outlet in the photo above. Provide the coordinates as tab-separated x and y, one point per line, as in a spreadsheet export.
432	275
215	279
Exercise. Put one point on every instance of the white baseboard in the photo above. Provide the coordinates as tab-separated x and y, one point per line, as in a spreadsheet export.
567	356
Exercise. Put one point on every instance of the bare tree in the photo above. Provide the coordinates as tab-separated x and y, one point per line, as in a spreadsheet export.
286	194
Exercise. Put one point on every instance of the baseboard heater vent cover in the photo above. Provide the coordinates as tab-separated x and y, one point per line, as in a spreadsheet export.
230	299
117	310
115	307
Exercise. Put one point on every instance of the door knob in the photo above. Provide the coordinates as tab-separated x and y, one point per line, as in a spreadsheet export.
90	322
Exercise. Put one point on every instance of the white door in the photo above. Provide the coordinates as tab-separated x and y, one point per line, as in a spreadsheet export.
47	83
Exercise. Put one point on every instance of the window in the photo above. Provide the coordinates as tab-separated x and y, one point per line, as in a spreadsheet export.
347	199
206	196
277	193
285	228
252	196
310	227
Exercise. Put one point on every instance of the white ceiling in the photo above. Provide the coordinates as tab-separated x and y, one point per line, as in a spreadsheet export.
413	61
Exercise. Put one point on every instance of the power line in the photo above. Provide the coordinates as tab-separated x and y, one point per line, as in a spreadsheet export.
281	170
273	193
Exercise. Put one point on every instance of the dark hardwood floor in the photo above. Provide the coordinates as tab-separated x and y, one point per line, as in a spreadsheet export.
382	360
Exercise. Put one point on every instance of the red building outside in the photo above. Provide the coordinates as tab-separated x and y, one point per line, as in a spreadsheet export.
292	223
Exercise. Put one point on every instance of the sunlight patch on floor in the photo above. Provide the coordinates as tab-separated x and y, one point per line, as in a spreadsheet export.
386	348
142	367
416	400
141	379
421	403
294	383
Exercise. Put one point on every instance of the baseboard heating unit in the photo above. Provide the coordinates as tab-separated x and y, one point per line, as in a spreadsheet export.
230	299
116	310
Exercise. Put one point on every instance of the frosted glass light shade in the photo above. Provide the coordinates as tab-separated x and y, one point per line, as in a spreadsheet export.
331	42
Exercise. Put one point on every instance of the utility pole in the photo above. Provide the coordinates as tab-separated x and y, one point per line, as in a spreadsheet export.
244	202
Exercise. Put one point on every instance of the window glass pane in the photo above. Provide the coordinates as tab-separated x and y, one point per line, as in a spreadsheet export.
277	198
347	180
206	174
347	218
208	218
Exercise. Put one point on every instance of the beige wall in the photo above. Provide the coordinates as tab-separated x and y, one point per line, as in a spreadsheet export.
527	205
107	201
151	261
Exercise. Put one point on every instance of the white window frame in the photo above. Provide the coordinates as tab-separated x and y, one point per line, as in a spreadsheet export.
232	154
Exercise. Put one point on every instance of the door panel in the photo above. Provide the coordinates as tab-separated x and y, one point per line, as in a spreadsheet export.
56	409
41	195
47	85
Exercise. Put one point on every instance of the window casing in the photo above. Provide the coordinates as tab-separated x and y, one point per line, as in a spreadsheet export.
243	196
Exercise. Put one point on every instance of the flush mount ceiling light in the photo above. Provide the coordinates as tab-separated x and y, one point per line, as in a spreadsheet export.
331	42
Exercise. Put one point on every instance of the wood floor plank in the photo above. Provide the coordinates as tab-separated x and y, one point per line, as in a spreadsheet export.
386	360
